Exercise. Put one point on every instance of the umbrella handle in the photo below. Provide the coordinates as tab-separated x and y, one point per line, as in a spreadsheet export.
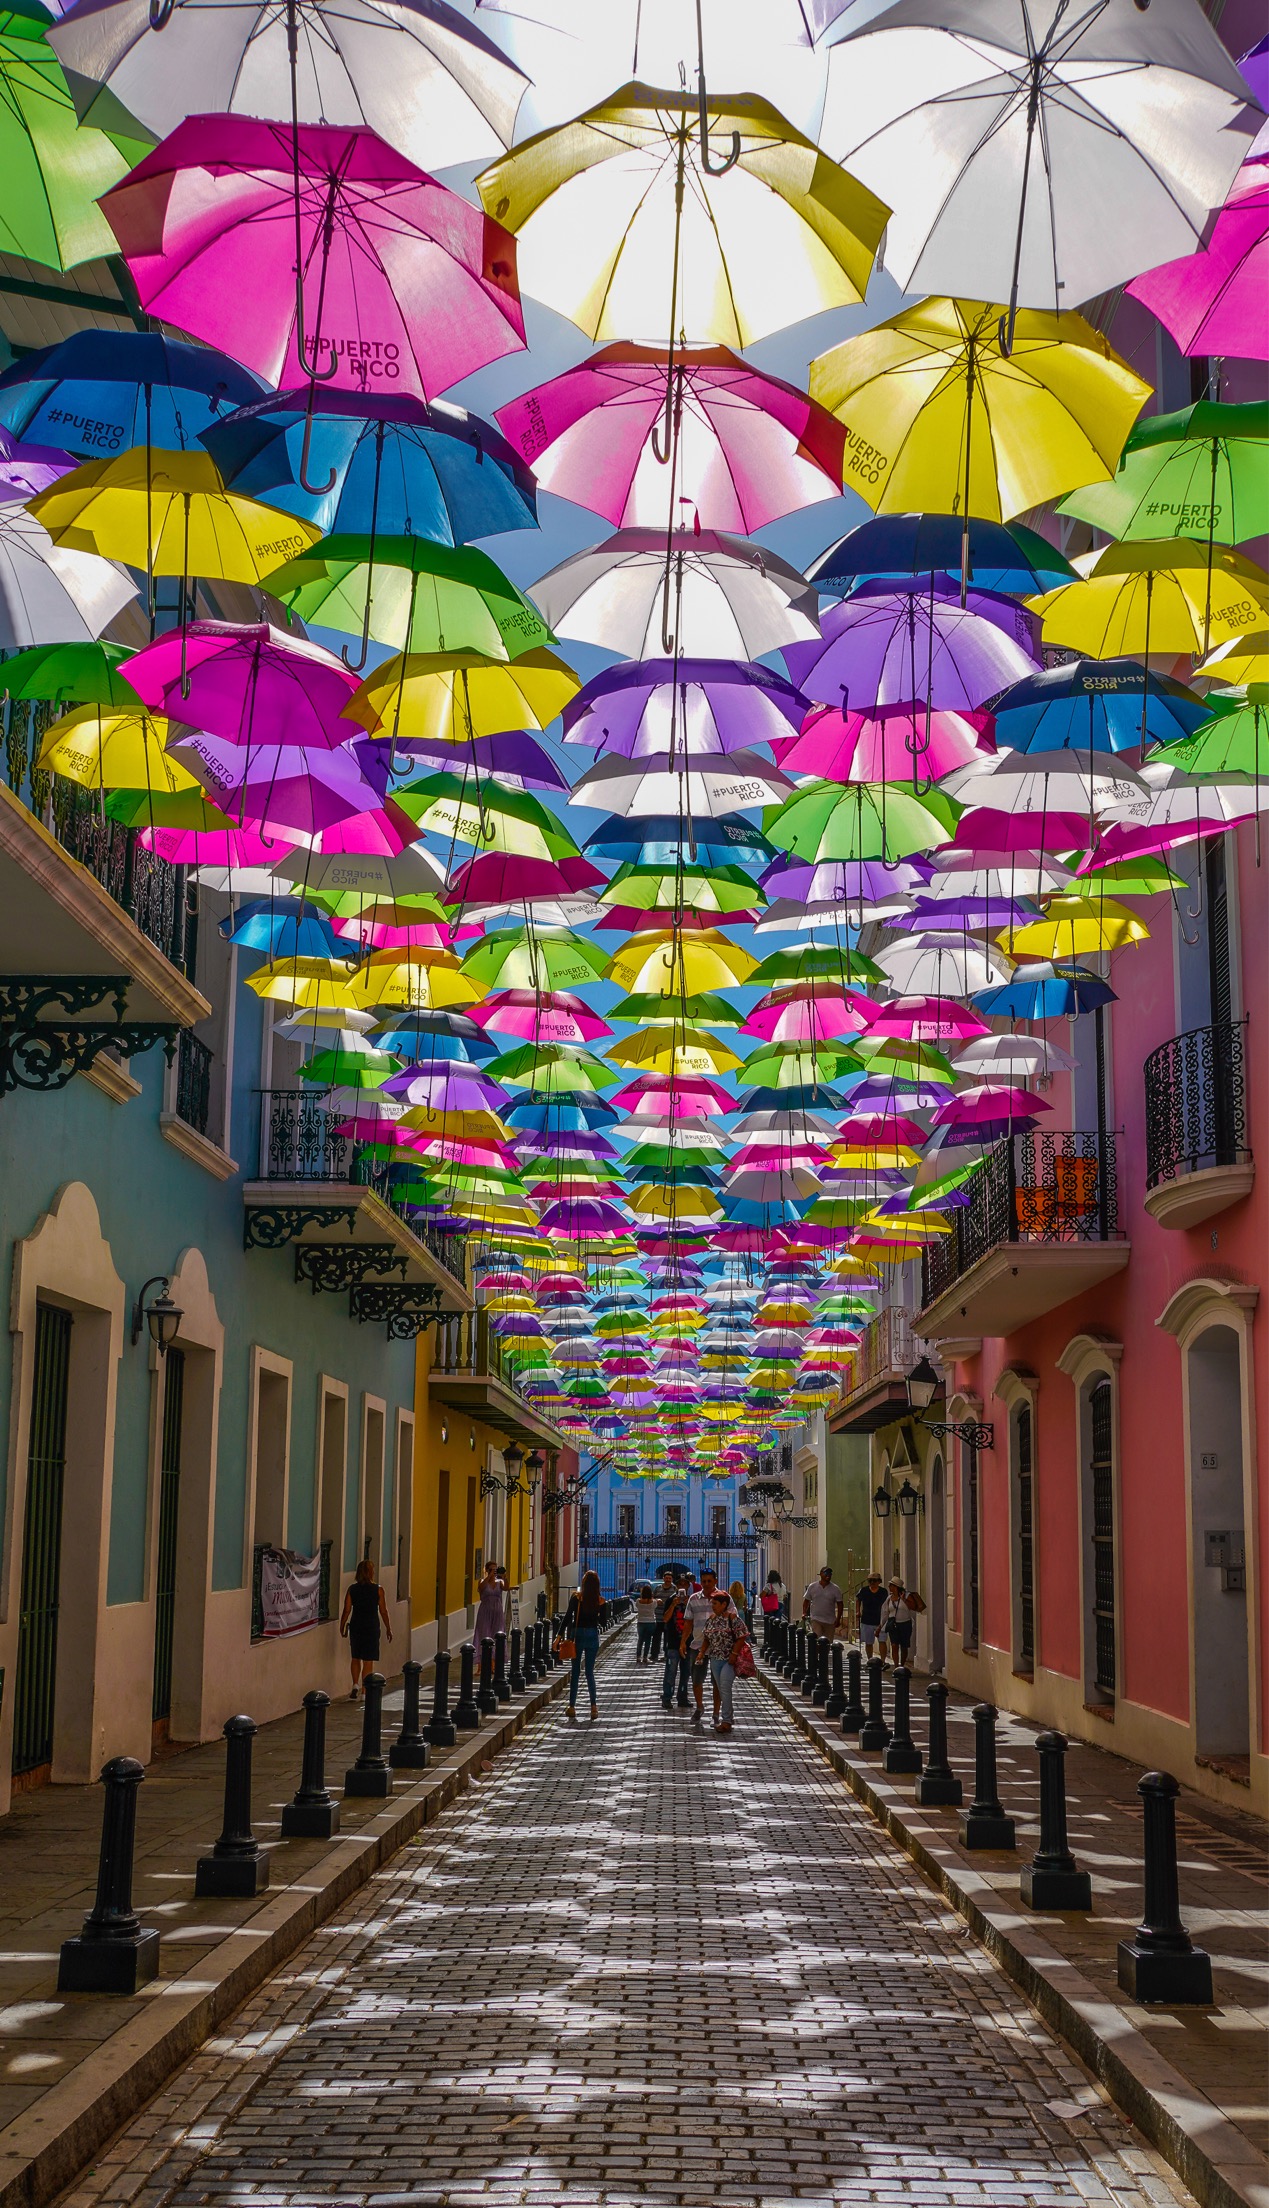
160	13
315	490
711	168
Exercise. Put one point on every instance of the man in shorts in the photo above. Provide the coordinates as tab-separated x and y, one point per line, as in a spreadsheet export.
823	1603
869	1604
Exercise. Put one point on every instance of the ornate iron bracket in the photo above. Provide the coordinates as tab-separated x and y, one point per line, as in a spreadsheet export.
45	1055
973	1435
24	997
335	1266
407	1310
490	1484
272	1226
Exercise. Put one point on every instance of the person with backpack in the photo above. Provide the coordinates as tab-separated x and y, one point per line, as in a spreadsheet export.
678	1666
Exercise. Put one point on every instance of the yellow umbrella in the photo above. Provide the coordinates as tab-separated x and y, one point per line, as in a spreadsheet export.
449	697
623	228
311	984
703	960
674	1202
422	979
1073	927
455	1126
686	1050
101	750
938	419
170	513
1134	599
1242	660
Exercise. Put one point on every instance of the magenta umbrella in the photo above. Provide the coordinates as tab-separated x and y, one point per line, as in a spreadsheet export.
401	286
886	647
1214	301
749	447
236	848
250	683
926	1020
278	788
538	1018
886	746
989	1104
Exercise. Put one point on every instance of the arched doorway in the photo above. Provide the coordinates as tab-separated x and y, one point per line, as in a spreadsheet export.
1215	1381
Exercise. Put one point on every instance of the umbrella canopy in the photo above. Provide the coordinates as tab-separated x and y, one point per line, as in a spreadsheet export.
248	681
938	413
884	648
655	785
53	170
1000	558
420	75
26	469
864	821
99	391
1094	705
1201	473
66	674
449	697
412	594
885	746
1213	301
688	707
1172	595
50	594
748	446
603	215
207	225
711	596
102	750
1045	157
169	513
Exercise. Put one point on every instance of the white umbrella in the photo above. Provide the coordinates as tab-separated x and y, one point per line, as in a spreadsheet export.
415	71
789	916
1033	151
1043	782
708	789
963	874
1012	1057
930	967
49	595
711	596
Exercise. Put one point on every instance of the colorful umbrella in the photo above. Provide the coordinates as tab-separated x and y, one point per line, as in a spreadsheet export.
886	745
104	750
1164	596
100	391
53	169
689	708
1213	301
1012	559
1094	705
884	647
50	594
1203	472
247	682
409	593
451	697
707	595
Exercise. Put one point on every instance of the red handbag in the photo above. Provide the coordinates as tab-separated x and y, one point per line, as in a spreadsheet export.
742	1660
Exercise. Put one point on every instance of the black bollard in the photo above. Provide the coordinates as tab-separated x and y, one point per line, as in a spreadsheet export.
501	1683
836	1702
1162	1963
902	1755
528	1669
817	1684
410	1751
773	1641
798	1672
467	1710
237	1863
874	1733
938	1786
788	1661
370	1773
115	1952
985	1824
439	1729
532	1660
312	1812
1052	1879
485	1695
854	1715
515	1676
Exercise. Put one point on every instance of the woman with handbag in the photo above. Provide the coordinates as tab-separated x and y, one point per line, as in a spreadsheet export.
580	1640
724	1638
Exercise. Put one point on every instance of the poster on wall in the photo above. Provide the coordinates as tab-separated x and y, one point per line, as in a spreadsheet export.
290	1591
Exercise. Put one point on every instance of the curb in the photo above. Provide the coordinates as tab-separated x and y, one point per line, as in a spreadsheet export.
1209	2154
43	2152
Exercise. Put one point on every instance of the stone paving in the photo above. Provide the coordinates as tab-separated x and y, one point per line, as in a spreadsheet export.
638	1964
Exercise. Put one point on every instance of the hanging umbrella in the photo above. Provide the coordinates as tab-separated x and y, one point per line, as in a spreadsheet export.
1036	159
27	469
409	593
1076	927
1230	743
400	282
622	214
885	746
50	594
711	596
168	513
53	169
1168	596
452	696
247	681
1012	1057
1012	559
1203	472
1213	301
938	413
104	750
687	707
941	967
884	647
420	75
71	674
378	463
100	391
1241	660
748	447
534	958
662	963
485	813
864	821
1094	705
281	788
705	787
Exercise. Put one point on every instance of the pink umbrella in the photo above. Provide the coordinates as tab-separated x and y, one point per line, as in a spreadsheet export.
500	877
249	682
279	788
812	1014
1214	301
989	1102
750	447
983	829
400	286
927	1019
889	745
887	1130
558	1018
234	847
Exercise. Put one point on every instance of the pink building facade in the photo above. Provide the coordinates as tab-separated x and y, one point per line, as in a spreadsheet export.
1097	1563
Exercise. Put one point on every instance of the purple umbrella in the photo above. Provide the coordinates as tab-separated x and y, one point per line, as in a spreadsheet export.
445	1089
248	683
695	706
514	758
279	787
884	647
26	470
842	881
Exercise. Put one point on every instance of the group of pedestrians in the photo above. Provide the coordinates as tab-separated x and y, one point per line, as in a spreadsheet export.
698	1631
885	1615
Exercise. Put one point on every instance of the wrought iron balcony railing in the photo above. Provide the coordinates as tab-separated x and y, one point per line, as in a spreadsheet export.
300	1141
888	1346
193	1081
1195	1090
1041	1188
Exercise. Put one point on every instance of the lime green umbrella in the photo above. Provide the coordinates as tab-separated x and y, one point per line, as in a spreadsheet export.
1230	743
896	1053
866	820
349	1065
411	594
816	962
1203	472
534	958
71	674
188	809
554	1066
700	889
655	1011
480	811
1140	877
795	1068
52	168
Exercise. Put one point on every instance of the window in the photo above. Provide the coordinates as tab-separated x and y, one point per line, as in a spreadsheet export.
398	1511
332	1467
271	1435
718	1522
1024	1539
583	1515
1102	1485
626	1521
969	1519
672	1518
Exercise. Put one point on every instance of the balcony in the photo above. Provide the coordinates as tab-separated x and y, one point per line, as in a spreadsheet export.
1041	1227
469	1373
325	1195
1197	1162
875	1392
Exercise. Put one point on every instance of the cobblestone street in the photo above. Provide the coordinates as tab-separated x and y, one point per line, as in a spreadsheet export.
638	1963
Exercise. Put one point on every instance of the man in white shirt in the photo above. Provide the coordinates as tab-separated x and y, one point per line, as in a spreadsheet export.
823	1603
698	1608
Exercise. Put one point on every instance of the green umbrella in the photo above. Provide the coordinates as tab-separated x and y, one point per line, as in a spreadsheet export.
71	674
720	889
351	1064
1230	743
1140	877
654	1011
815	962
534	958
411	594
480	811
53	169
168	809
867	820
1202	472
555	1066
795	1067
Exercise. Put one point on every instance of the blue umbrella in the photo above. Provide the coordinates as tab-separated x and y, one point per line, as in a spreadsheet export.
1011	560
418	1036
824	1098
1095	705
1044	992
102	391
564	1118
657	839
284	927
354	462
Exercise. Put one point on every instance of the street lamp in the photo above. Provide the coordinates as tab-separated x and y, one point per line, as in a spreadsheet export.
784	1506
759	1519
923	1384
881	1503
535	1465
162	1317
909	1500
512	1459
745	1529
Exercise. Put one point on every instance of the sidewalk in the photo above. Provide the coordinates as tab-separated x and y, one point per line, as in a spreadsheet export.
1196	2081
74	2067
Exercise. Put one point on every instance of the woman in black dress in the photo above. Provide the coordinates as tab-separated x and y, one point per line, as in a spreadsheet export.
364	1611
